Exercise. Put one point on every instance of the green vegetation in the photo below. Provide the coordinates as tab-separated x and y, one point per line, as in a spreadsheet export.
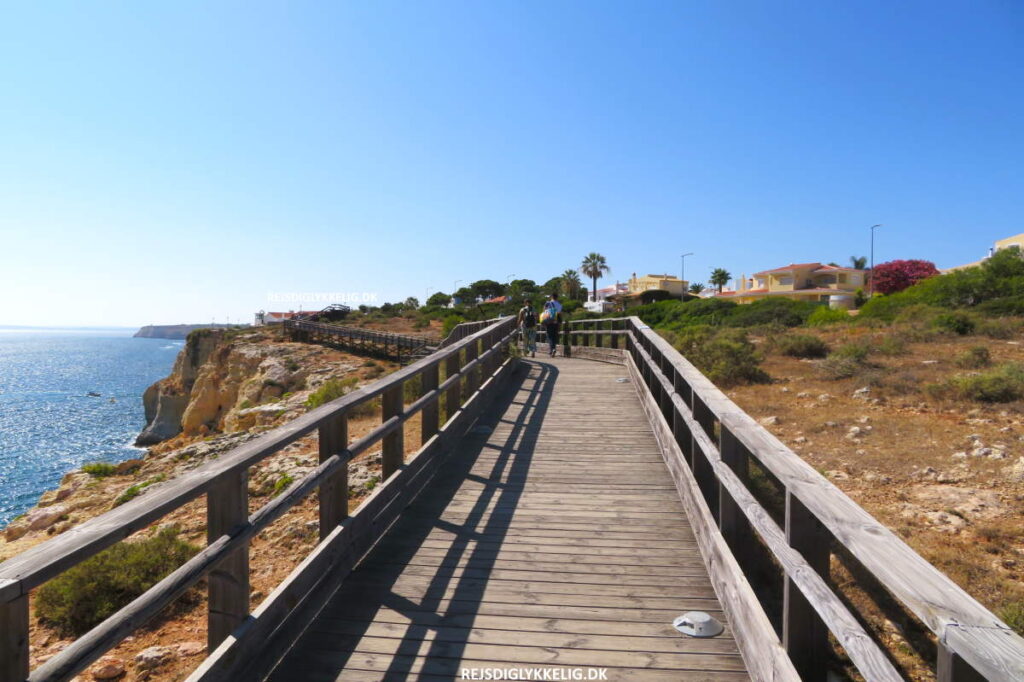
802	346
1013	615
823	315
726	356
134	491
282	484
974	357
100	469
332	389
1001	384
83	596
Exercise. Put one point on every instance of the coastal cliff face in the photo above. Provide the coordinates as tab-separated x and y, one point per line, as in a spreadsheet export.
217	379
173	331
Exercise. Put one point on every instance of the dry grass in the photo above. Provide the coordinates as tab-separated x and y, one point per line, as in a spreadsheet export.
962	514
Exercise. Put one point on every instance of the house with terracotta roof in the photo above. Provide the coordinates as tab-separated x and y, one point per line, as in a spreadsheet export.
812	282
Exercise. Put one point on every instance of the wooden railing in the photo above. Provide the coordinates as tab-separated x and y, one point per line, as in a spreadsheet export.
465	329
473	367
390	344
710	445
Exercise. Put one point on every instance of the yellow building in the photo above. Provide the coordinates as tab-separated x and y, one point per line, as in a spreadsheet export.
1014	242
801	281
673	285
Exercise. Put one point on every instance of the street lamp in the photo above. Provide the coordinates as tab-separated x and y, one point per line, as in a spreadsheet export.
682	270
871	275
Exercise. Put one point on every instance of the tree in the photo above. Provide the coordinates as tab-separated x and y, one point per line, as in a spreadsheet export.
411	303
520	289
487	288
571	284
439	299
465	296
594	266
858	262
897	275
696	288
720	277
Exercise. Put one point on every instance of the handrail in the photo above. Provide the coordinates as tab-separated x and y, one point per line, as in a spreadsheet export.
718	438
461	331
399	340
230	526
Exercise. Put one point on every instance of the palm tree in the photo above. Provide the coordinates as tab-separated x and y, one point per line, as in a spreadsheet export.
859	262
696	288
720	277
594	266
571	284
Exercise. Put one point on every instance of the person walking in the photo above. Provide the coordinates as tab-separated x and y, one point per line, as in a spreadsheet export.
527	323
551	318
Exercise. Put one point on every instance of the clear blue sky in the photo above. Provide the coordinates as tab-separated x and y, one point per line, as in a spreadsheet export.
176	162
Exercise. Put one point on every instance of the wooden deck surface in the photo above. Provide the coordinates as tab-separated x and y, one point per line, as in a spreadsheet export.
554	538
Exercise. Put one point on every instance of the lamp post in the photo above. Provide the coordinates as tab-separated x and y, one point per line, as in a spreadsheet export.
871	275
682	272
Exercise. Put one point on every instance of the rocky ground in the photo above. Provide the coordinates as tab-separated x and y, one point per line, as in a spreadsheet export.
948	477
235	386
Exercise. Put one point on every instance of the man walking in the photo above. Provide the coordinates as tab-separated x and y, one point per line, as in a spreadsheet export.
552	319
527	322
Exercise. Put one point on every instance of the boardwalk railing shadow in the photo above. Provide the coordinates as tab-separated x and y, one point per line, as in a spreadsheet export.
455	589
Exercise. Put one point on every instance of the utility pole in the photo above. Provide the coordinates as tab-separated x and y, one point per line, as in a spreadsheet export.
682	273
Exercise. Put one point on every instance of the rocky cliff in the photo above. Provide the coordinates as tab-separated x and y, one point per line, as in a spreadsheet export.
218	379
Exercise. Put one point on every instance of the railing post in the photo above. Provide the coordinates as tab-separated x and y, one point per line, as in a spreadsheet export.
472	376
731	520
429	415
333	439
702	470
451	368
950	667
227	507
393	446
804	634
14	649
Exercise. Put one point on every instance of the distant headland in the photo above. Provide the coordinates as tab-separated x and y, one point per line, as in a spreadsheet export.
176	331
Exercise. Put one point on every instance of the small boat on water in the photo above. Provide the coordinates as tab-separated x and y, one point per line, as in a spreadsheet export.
93	394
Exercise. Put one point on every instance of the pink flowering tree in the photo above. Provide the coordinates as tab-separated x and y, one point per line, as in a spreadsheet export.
897	275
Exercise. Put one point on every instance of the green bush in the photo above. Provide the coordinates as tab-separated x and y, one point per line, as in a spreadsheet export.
892	344
1013	615
802	346
999	328
974	358
332	389
450	323
837	367
824	315
784	311
956	322
83	596
135	490
726	357
1001	384
858	351
100	469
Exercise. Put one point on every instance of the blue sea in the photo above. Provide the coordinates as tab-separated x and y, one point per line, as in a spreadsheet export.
49	424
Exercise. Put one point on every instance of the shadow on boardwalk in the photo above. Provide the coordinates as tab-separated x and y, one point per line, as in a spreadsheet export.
454	589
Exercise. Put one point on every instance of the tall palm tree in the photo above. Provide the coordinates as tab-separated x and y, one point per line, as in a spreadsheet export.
594	266
696	288
571	284
859	262
720	277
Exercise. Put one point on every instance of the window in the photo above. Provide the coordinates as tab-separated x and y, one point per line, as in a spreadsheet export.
841	278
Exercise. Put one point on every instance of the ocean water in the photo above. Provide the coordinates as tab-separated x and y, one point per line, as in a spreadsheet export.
49	424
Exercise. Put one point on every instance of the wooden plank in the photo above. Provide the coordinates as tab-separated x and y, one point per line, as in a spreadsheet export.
804	633
227	509
429	424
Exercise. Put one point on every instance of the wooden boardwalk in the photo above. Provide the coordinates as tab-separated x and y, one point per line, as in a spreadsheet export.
552	537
